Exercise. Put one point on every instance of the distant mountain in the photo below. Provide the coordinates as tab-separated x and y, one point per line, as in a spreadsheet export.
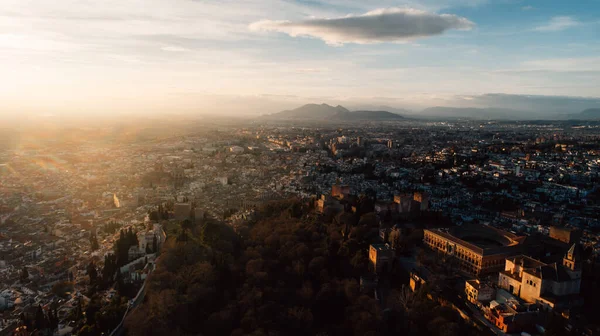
367	107
373	115
326	112
592	113
475	113
310	111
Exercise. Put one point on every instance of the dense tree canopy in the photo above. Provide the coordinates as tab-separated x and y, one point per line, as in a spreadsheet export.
292	274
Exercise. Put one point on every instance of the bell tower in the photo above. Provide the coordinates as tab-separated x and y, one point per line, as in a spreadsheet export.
572	261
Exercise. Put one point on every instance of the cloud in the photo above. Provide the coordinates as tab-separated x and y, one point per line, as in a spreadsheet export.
526	8
381	25
311	70
558	23
174	49
581	64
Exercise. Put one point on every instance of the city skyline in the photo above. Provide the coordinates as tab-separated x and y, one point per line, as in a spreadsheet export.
256	57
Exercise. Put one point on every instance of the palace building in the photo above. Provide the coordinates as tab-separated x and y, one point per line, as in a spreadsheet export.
479	249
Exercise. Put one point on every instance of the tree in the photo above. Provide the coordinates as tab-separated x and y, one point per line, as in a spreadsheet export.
92	272
53	319
359	262
109	268
187	225
94	242
154	215
403	299
62	288
24	274
78	311
368	220
127	238
120	286
154	244
40	319
92	308
556	326
284	278
112	227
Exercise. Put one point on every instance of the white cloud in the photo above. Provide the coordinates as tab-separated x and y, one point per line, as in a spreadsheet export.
174	49
526	8
380	25
53	52
311	70
22	42
581	64
558	23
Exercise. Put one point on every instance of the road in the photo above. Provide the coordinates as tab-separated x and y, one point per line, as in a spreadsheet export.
120	329
476	313
453	294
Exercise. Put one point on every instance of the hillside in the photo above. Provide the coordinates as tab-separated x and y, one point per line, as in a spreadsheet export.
311	112
292	273
373	115
326	112
395	110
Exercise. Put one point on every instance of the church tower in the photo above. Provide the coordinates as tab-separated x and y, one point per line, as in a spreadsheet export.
572	261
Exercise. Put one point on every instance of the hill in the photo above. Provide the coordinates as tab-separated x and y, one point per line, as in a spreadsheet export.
310	112
395	110
373	115
292	273
326	112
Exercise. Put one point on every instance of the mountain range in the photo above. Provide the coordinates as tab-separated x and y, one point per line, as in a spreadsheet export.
490	113
589	114
474	113
324	112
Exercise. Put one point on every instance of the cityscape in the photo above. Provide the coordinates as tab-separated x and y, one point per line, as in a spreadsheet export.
299	168
495	223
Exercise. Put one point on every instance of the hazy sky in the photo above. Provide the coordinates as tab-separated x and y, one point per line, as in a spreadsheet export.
119	55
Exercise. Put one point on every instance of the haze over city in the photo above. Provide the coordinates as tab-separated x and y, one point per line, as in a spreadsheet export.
299	167
256	57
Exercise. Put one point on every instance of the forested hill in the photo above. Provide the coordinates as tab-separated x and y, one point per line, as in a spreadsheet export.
289	273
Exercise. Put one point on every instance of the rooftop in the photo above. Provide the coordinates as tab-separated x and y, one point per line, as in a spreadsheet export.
381	247
526	262
474	283
481	239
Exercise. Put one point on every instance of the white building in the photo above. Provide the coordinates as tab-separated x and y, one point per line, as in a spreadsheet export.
223	180
236	149
550	285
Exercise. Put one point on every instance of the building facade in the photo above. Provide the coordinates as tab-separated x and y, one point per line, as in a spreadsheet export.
182	211
381	257
552	286
479	256
477	291
565	235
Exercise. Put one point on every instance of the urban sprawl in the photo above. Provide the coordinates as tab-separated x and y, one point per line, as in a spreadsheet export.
498	219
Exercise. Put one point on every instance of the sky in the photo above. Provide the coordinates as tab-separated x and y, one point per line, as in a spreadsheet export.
259	56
